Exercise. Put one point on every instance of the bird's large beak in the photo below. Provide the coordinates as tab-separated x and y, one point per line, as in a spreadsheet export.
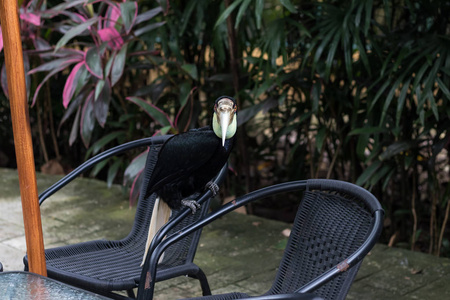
225	118
224	123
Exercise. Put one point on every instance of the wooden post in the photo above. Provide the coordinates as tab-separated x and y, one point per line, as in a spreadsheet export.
22	135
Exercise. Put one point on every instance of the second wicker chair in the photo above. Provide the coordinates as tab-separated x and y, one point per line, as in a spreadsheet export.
336	225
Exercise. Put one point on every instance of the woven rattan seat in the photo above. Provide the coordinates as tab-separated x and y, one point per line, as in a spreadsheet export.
104	266
336	225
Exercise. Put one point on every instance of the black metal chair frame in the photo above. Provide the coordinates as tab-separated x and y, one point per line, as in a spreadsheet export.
179	220
349	264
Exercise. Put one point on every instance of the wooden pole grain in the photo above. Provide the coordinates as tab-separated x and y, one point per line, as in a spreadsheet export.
22	135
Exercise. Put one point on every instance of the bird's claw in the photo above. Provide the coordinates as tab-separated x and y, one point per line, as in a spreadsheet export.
213	187
192	204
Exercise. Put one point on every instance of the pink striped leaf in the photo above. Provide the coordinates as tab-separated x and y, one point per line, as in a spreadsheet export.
31	18
41	44
1	39
148	15
57	64
112	36
118	65
112	15
153	111
133	172
71	84
75	126
94	62
74	105
64	63
135	188
76	17
147	28
135	166
87	121
66	5
101	103
4	82
74	31
129	11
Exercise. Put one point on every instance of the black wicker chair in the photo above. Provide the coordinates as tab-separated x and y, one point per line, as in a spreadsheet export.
105	267
336	225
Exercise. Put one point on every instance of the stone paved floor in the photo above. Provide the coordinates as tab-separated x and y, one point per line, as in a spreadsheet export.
238	252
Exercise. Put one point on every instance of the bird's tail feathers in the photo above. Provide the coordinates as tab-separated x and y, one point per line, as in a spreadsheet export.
160	216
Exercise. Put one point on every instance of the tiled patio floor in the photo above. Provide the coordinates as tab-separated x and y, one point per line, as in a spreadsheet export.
237	253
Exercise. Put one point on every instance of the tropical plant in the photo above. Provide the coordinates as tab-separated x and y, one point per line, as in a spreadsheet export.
95	38
29	24
363	94
354	90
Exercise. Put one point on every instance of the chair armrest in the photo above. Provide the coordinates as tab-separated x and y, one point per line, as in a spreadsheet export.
294	296
98	158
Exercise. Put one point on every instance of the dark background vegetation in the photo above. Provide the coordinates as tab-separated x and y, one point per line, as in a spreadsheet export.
350	90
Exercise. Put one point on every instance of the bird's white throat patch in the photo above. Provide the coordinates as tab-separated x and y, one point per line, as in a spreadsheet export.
231	129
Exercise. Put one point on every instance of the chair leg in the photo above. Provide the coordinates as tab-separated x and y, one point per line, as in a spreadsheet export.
200	275
131	294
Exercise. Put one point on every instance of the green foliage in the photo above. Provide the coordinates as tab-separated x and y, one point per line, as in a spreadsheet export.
354	90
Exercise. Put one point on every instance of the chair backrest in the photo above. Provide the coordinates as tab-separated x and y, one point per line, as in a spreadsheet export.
330	225
181	252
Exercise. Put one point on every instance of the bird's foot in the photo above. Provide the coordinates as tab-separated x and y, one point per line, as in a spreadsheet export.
192	204
213	187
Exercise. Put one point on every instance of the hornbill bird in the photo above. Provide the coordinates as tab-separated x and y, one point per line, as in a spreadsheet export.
188	162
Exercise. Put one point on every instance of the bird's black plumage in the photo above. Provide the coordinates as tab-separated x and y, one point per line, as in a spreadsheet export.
187	162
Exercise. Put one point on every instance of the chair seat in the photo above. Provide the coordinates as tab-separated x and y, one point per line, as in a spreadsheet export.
106	265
